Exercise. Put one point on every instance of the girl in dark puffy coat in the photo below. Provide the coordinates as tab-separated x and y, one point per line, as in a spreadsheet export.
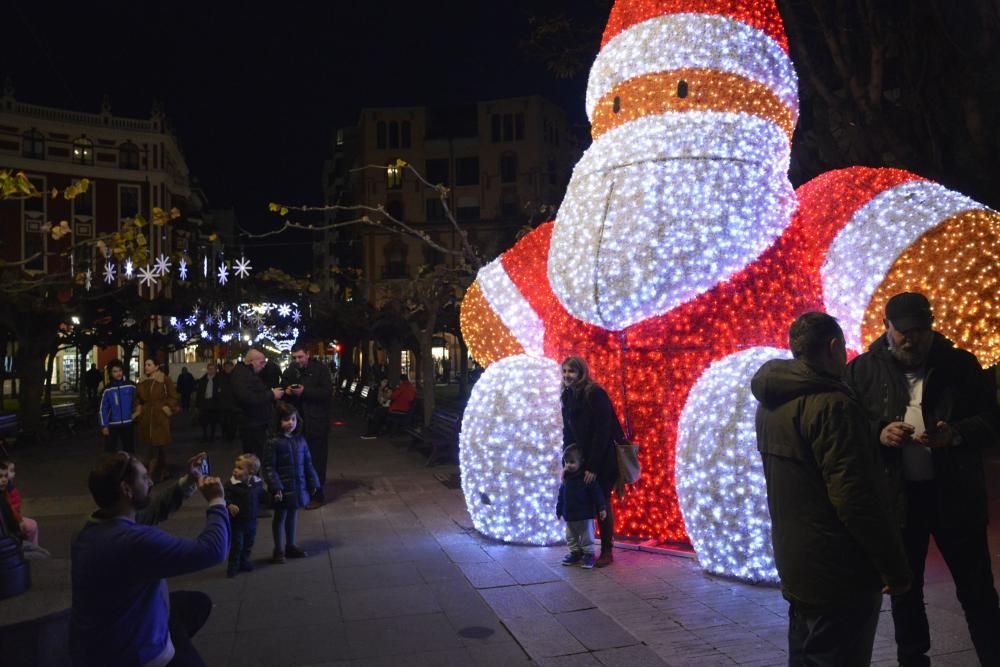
291	479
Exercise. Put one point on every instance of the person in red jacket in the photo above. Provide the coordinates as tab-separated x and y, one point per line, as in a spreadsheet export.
28	527
400	402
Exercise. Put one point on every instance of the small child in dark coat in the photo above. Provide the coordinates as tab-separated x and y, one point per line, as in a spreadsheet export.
291	479
579	503
244	492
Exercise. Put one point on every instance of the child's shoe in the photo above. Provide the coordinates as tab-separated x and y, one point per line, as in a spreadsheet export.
293	551
572	558
588	562
278	557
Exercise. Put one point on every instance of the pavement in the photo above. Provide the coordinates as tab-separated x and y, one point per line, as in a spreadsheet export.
396	574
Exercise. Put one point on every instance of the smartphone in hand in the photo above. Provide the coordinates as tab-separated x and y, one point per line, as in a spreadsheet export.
204	466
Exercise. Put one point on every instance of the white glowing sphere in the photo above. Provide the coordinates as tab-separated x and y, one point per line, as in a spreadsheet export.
720	477
510	451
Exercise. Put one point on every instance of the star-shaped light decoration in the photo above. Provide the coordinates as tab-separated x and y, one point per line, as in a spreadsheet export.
209	320
223	273
218	312
191	320
182	269
196	312
128	269
241	268
175	323
162	265
296	316
257	318
147	276
284	310
89	279
109	272
182	337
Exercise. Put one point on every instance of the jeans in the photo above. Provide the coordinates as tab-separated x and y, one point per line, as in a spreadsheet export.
121	437
835	638
283	527
188	612
965	551
241	545
580	536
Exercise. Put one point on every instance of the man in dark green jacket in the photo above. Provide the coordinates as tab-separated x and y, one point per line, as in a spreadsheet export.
835	544
932	409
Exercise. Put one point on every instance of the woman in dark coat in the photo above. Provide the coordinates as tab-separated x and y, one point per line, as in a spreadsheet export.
590	422
291	479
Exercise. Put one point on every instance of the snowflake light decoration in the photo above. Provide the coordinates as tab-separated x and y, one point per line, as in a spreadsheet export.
162	265
296	316
182	269
241	268
204	266
128	269
209	320
218	312
284	310
88	279
147	276
109	272
223	273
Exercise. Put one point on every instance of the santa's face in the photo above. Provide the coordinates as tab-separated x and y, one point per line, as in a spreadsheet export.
686	181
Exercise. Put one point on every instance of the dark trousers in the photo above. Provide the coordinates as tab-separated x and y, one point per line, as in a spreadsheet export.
963	545
254	439
120	437
283	527
318	449
227	419
209	419
241	545
189	610
185	401
607	524
833	638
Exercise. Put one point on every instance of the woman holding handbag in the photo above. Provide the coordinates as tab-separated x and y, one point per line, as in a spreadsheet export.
590	422
155	404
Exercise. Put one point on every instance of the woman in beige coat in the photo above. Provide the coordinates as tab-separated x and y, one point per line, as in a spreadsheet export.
156	403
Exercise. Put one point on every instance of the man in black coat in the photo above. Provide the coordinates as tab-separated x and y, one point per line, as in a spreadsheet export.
254	401
309	387
207	396
932	409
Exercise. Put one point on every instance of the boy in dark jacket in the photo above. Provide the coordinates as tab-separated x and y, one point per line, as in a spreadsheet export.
579	503
244	492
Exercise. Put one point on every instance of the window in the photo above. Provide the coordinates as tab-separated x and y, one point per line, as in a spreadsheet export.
394	176
518	126
467	171
437	171
33	144
467	213
83	213
340	137
128	156
380	134
406	133
33	239
395	209
393	134
394	253
508	127
83	151
435	210
128	202
496	128
508	168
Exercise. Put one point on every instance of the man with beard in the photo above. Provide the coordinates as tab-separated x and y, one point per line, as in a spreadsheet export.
121	612
934	412
309	388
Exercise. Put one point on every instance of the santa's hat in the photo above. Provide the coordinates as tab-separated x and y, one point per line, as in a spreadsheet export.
722	55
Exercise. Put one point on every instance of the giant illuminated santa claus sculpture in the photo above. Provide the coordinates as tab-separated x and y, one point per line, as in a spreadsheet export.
677	261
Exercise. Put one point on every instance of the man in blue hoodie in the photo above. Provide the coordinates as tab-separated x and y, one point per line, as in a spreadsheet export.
115	414
122	613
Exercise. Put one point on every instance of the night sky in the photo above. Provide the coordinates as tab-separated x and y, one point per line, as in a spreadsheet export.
255	92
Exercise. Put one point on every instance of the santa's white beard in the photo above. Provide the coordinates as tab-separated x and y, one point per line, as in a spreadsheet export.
662	209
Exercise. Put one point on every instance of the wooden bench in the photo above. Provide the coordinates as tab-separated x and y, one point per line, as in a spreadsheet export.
361	398
64	417
10	429
441	435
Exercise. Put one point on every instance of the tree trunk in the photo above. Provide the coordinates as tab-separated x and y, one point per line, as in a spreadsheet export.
31	369
50	363
393	361
426	342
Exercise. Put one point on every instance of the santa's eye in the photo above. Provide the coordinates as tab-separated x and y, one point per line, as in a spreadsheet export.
682	88
617	104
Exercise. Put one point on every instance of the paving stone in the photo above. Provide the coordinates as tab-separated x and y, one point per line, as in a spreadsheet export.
595	629
639	655
558	596
288	611
466	553
486	575
529	570
513	602
361	577
455	657
280	647
581	659
401	635
498	655
386	602
543	637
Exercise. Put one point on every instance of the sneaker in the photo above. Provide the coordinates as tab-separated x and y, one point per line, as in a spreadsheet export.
588	562
607	558
572	559
278	557
246	566
368	437
293	551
